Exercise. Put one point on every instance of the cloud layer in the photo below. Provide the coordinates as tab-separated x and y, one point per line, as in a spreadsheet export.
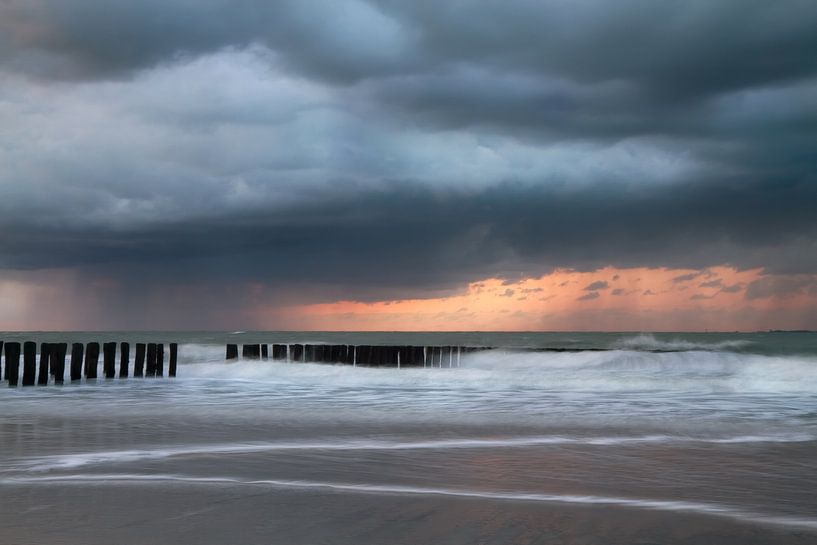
378	150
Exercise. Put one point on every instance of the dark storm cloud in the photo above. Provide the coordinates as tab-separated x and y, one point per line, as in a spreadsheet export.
382	149
99	39
400	242
684	49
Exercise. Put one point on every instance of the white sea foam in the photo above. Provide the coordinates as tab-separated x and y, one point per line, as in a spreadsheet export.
615	370
674	506
646	341
75	460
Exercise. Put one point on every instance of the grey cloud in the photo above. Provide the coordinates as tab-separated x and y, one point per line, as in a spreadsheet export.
685	278
589	296
782	286
734	288
717	283
597	285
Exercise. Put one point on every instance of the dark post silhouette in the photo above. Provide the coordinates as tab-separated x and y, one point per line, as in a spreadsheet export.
91	359
279	352
124	359
150	366
160	360
251	351
13	362
56	361
42	373
232	351
109	359
139	361
77	351
29	363
265	351
174	352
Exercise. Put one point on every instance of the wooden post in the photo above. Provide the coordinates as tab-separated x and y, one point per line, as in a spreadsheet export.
77	351
91	359
319	353
265	351
56	361
109	359
150	366
139	361
42	374
174	350
232	352
375	356
279	352
1	351
419	356
29	363
361	355
13	362
251	351
124	359
160	360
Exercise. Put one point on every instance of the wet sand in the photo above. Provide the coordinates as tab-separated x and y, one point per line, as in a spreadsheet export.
185	514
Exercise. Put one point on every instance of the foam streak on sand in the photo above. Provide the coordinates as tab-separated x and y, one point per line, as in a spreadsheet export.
701	508
75	460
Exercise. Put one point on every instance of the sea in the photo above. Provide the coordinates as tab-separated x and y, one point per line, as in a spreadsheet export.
609	438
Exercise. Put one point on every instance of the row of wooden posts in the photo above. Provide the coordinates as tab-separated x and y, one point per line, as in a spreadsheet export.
148	362
365	355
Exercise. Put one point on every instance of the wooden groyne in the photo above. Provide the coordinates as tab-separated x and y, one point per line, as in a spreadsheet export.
84	361
368	355
347	354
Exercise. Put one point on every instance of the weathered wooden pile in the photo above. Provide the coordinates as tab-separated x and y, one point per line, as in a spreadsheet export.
148	362
364	355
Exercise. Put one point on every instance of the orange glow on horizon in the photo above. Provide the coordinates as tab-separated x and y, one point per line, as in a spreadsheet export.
565	300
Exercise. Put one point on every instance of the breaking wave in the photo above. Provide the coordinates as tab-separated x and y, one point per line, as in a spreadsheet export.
701	371
649	342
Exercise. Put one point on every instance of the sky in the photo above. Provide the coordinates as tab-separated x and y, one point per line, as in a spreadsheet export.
396	165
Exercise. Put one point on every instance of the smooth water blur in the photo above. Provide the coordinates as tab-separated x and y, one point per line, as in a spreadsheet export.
767	343
718	426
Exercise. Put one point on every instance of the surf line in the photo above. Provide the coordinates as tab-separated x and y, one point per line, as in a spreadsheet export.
673	506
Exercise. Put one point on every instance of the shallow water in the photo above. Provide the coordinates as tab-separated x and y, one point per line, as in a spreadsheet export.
715	441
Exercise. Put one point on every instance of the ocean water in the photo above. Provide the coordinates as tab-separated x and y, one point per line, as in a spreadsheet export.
658	438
